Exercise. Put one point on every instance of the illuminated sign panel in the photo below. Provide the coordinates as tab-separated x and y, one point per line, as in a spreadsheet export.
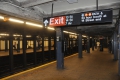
96	17
58	21
67	20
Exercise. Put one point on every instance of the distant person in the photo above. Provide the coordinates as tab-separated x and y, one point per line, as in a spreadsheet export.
110	46
85	47
39	45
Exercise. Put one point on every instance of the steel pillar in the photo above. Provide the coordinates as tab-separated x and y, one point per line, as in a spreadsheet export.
93	44
6	45
119	48
80	45
59	45
24	50
11	51
34	49
115	47
88	44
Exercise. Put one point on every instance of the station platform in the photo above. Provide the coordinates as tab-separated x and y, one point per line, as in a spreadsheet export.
93	66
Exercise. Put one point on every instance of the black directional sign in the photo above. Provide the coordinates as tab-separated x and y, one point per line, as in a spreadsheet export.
96	17
84	18
64	20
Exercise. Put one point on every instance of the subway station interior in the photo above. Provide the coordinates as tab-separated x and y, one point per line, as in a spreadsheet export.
60	39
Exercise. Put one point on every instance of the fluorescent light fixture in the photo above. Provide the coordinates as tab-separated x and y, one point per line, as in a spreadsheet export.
84	36
72	33
33	24
1	17
28	36
2	34
51	28
16	35
16	20
72	1
65	31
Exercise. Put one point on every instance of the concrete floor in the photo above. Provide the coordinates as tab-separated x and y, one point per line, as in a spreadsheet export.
94	66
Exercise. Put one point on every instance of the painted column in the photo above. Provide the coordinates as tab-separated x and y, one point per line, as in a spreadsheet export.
88	44
6	45
119	49
93	44
34	49
49	47
80	45
43	57
24	50
11	51
60	54
115	46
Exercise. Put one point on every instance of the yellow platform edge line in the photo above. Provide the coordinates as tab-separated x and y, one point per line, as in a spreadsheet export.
34	68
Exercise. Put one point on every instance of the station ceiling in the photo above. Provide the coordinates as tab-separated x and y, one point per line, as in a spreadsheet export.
38	9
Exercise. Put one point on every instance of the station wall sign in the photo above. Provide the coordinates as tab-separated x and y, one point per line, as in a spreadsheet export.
96	17
65	20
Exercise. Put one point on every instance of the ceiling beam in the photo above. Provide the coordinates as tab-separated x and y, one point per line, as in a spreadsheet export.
35	3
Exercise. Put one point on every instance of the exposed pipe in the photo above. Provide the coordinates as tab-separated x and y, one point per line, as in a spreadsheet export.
96	4
52	10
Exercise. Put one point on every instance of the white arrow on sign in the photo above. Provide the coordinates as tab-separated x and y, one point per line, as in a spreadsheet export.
46	22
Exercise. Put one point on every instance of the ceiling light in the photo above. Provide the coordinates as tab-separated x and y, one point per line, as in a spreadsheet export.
72	1
84	36
16	20
65	31
28	36
33	24
2	34
72	33
16	35
51	28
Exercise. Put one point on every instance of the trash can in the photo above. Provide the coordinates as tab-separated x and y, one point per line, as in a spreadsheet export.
101	47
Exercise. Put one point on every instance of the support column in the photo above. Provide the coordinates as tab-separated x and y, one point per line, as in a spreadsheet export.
119	49
60	55
115	46
34	49
88	44
24	50
43	57
80	45
72	45
6	45
93	44
69	45
18	45
49	47
55	47
11	51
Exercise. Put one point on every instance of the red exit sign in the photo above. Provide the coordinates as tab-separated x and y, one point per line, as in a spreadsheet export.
58	21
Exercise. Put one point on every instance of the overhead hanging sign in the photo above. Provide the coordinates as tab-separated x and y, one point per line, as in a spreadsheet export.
84	18
66	20
96	17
